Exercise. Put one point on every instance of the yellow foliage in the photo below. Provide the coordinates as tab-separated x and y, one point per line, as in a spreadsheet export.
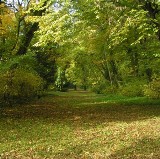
7	21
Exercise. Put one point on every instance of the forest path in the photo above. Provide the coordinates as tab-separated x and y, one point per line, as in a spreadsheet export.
80	124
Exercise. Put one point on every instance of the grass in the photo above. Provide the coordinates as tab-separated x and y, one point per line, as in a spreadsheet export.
80	124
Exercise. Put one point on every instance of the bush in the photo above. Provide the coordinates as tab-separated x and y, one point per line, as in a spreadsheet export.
152	90
133	89
110	90
19	85
99	86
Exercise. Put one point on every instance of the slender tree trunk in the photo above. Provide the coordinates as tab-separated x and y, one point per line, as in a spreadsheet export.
109	74
149	74
114	73
134	63
134	58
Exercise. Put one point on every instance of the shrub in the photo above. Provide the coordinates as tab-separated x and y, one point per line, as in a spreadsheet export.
133	89
19	85
152	90
99	86
110	90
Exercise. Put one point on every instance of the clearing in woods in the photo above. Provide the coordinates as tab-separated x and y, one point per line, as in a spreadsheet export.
81	125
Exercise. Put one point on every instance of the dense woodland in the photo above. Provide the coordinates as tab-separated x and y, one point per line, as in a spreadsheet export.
79	79
106	46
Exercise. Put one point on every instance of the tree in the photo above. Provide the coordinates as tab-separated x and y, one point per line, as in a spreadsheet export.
17	58
118	37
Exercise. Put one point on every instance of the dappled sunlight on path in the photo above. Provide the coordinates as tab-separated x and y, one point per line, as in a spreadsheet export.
80	125
86	106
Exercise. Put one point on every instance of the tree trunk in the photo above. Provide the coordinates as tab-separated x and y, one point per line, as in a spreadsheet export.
134	61
149	74
27	39
29	34
114	73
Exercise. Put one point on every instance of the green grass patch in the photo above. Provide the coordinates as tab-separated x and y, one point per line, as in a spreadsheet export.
81	125
128	100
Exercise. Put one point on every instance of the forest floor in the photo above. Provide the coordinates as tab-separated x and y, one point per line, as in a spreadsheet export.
81	125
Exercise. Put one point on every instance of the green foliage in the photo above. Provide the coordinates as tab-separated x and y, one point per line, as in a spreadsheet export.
152	90
19	85
104	88
99	86
113	39
80	71
88	40
45	65
133	88
60	80
24	61
110	89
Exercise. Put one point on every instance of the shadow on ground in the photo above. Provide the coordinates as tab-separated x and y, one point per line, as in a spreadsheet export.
79	126
81	108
